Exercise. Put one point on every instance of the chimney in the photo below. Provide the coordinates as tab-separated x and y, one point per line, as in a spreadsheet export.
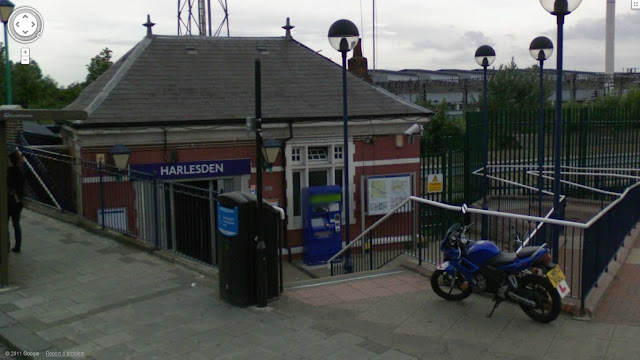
358	64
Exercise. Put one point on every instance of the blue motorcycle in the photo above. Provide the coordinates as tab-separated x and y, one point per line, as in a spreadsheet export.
527	277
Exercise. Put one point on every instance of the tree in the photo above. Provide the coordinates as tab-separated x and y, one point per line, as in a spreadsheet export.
513	88
440	127
98	65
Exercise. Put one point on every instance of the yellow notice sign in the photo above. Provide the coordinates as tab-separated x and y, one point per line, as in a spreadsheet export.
434	183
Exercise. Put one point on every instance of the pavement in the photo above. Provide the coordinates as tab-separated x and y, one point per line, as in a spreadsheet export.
79	294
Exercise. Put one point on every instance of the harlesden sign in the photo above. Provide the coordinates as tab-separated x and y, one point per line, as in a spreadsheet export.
197	169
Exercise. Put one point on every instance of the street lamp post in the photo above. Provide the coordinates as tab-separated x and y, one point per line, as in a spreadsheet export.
541	49
6	8
559	8
266	151
344	36
485	56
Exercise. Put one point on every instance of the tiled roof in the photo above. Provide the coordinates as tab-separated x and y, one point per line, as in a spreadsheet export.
188	78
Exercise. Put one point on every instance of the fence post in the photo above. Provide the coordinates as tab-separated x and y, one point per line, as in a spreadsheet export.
100	172
467	165
155	212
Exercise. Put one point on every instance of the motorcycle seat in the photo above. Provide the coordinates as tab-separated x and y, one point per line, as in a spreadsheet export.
503	258
509	257
528	251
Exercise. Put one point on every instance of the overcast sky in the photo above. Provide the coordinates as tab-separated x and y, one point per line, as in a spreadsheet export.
425	34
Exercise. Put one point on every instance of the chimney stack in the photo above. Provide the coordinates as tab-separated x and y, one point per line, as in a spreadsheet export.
358	64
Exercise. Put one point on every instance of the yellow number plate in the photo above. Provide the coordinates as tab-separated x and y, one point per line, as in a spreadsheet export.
556	276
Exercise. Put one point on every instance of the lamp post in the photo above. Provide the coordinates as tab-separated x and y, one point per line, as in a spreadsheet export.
344	36
559	8
541	49
485	56
6	8
270	150
266	151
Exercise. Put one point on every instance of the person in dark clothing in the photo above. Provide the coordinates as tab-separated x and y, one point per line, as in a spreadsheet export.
15	195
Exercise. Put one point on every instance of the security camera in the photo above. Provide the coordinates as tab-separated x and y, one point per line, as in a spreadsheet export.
414	129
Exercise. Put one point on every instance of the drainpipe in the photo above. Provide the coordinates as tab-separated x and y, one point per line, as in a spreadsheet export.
283	146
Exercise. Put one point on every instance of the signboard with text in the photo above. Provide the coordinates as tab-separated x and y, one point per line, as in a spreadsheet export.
196	169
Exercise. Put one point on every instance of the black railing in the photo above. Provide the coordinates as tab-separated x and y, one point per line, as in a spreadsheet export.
606	235
391	236
166	215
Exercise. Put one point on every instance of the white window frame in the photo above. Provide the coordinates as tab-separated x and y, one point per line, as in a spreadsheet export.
331	164
296	155
338	150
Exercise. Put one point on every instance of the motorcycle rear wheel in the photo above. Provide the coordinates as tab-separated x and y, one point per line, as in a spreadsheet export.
548	301
441	285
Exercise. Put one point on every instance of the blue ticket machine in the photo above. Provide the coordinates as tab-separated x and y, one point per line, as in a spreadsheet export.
321	223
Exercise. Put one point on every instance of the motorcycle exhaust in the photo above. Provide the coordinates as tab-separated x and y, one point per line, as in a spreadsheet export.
521	299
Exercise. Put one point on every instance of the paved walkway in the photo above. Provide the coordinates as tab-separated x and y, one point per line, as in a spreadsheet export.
93	297
620	305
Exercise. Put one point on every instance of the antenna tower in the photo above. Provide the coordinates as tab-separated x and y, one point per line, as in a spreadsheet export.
192	22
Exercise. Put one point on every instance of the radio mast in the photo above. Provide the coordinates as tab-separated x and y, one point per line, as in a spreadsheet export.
199	23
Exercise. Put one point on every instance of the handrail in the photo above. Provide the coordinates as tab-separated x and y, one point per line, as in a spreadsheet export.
452	208
280	211
368	230
590	188
534	232
33	171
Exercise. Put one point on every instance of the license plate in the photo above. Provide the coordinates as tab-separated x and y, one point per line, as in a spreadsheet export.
556	276
557	279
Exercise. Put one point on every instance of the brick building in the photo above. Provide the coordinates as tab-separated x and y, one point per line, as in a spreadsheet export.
179	104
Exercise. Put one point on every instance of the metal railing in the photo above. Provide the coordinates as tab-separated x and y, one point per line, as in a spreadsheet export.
585	247
166	215
391	236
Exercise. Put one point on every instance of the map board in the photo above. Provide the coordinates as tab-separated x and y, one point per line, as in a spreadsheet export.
387	192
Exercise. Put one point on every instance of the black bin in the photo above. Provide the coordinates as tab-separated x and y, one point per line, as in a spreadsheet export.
236	233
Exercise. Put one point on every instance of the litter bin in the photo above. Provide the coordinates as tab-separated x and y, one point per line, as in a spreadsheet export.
236	230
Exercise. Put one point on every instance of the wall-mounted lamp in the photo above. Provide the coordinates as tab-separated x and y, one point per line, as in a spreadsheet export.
120	155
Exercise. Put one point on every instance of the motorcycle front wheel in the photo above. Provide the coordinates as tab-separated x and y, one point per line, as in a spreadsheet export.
547	299
450	287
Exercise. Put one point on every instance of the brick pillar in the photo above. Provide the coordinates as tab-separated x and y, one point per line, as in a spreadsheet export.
14	127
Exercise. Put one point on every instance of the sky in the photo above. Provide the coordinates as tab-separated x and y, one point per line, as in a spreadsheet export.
411	34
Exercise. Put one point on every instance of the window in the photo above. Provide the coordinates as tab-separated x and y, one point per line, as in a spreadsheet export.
296	155
317	177
337	153
317	154
297	204
313	164
338	177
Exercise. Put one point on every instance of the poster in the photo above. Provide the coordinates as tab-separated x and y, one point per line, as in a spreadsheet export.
387	192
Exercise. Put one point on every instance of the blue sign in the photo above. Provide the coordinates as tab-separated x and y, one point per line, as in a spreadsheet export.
197	169
228	221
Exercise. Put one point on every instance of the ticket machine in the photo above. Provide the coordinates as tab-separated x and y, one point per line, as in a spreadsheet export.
321	223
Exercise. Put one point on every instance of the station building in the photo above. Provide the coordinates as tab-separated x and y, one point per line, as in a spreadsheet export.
180	104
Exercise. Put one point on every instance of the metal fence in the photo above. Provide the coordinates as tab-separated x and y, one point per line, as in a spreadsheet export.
593	138
391	236
167	215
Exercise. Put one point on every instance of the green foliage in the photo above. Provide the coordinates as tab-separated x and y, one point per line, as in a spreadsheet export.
98	65
440	127
513	88
631	99
32	90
